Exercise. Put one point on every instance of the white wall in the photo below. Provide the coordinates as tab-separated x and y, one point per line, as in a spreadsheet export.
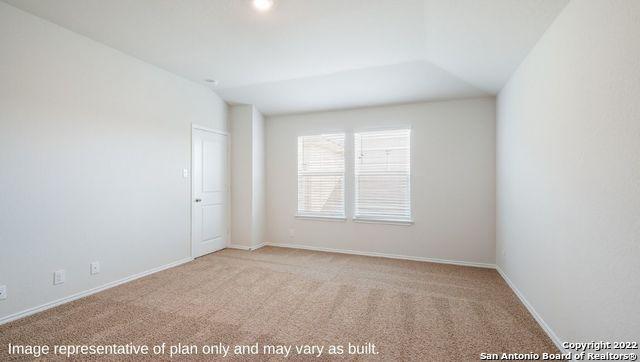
453	182
569	173
258	176
241	125
92	148
247	176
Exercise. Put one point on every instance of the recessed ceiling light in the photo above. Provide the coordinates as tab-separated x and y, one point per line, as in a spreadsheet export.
213	82
262	5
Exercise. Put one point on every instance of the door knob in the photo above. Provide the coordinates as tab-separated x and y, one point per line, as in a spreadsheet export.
198	200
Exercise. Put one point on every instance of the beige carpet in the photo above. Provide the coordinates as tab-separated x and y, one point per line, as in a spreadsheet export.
276	296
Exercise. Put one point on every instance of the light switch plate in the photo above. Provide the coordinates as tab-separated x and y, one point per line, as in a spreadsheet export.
3	292
58	277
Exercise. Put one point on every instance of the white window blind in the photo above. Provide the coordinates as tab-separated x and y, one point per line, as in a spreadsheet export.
383	175
321	175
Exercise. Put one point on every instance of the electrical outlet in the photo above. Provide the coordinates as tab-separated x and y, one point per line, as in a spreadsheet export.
3	292
95	267
292	233
58	277
185	173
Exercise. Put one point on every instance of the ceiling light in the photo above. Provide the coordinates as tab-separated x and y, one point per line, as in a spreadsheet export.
262	5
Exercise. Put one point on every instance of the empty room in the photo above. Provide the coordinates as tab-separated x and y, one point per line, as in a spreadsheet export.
387	180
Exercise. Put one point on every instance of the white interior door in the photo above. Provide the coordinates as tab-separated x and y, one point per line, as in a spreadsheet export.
209	192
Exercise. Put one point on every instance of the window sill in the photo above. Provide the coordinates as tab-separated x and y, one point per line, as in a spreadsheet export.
320	218
383	221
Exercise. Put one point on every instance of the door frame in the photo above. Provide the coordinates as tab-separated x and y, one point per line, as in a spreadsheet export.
198	127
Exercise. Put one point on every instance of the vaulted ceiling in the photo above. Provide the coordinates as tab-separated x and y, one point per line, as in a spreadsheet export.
306	55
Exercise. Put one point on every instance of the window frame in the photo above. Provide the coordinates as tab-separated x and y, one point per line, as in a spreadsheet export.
383	219
316	216
349	178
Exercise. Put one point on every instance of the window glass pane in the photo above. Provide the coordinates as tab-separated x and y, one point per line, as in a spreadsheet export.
321	175
383	175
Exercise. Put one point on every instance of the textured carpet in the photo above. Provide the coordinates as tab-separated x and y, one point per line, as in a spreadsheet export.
409	310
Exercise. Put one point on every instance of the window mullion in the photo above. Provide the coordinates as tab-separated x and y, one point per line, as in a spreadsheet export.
349	175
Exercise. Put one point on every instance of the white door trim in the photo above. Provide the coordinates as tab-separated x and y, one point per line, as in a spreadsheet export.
203	128
191	194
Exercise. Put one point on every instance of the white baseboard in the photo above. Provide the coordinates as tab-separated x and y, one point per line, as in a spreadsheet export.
384	255
545	327
88	292
245	247
238	246
259	246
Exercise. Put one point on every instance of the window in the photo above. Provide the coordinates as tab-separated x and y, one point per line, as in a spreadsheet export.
321	175
383	175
